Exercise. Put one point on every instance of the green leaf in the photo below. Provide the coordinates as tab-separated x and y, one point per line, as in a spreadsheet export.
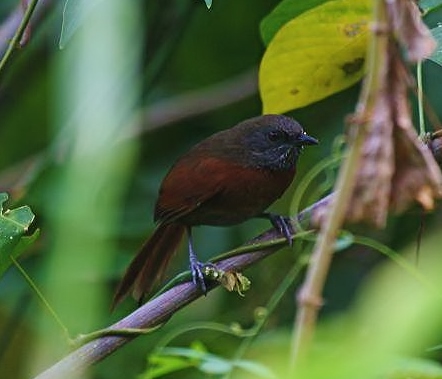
172	359
169	360
208	3
160	365
315	55
283	13
74	12
25	242
429	5
436	57
13	224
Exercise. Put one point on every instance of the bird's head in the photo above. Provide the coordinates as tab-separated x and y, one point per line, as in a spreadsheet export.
274	141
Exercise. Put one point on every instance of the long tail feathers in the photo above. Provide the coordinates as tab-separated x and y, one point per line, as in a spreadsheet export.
150	263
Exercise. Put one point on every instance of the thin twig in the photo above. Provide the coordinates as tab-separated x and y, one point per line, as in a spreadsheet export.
41	297
15	41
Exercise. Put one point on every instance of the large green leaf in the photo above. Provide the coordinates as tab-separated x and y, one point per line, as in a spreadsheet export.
317	54
283	13
74	12
14	223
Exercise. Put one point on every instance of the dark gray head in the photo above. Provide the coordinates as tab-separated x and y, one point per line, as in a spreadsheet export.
274	141
270	141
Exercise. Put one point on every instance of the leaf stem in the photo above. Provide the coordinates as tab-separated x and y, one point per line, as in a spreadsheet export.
420	99
41	298
15	40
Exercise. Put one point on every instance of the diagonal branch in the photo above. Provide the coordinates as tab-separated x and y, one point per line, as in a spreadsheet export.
162	308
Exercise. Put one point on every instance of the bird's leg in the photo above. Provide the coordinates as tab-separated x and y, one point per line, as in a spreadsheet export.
281	224
196	266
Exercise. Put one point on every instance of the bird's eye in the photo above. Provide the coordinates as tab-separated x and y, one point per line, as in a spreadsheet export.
276	135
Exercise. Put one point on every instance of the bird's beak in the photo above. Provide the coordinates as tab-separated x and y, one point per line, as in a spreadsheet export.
305	139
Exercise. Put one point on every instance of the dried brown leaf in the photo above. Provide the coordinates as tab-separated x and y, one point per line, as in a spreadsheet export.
417	177
234	281
396	168
373	184
411	32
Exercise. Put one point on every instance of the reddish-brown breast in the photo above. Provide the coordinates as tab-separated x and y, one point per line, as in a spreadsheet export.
215	191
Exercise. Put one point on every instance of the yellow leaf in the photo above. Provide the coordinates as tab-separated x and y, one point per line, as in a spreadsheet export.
318	53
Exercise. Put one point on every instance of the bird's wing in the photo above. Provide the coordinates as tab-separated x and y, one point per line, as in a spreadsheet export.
189	184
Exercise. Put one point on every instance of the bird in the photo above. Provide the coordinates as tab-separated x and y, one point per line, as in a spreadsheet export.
230	177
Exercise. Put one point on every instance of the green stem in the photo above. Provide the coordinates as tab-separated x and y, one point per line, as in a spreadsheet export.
205	325
420	99
42	298
262	245
15	40
303	185
83	339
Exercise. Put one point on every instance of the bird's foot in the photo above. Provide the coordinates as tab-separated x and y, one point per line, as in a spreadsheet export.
283	225
200	271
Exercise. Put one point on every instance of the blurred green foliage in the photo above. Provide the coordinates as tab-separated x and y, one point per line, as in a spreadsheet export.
13	224
184	47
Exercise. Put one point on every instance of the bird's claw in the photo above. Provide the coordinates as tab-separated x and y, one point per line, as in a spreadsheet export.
283	225
198	270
